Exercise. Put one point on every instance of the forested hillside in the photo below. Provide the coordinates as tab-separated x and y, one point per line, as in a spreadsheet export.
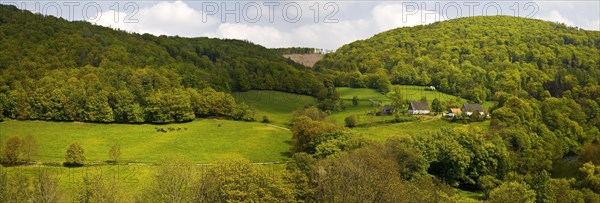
475	57
53	69
543	76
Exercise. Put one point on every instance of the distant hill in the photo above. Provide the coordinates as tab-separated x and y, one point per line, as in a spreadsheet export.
53	69
47	43
474	57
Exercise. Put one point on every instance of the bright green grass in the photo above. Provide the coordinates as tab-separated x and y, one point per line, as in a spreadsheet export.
278	106
415	93
426	124
203	141
363	94
468	196
409	92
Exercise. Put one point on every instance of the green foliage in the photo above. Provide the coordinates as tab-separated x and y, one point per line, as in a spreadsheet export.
98	188
14	187
352	120
460	157
475	57
355	101
329	99
115	153
306	134
512	192
74	155
240	181
590	152
436	106
590	176
45	187
12	150
173	182
266	119
542	187
299	170
313	113
102	75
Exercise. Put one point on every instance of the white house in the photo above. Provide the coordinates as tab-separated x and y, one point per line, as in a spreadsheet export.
421	107
471	108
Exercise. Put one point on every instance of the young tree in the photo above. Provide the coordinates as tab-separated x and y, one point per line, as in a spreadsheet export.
74	155
29	147
45	188
398	102
12	150
14	187
240	181
97	188
115	153
355	101
436	106
306	132
172	183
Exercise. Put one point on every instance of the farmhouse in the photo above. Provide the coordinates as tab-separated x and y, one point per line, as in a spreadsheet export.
421	107
387	110
471	108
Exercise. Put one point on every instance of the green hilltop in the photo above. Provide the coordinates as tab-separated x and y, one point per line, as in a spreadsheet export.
473	57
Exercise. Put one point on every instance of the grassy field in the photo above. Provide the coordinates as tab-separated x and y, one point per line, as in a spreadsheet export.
409	92
363	94
204	141
278	106
425	123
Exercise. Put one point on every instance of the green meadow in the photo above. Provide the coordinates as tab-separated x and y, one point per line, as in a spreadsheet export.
274	104
278	106
201	141
407	129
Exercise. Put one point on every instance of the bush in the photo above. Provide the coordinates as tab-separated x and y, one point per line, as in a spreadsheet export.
512	192
266	119
74	156
12	150
352	120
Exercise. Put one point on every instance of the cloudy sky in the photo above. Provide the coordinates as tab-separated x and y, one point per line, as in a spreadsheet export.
305	23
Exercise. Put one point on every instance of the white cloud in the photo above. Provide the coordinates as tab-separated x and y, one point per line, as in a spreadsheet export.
357	20
264	35
555	16
163	18
312	35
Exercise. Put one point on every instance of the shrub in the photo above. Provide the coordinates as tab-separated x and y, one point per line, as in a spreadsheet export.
266	119
352	120
74	155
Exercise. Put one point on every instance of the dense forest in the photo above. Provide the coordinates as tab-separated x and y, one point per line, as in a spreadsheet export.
543	76
475	58
53	69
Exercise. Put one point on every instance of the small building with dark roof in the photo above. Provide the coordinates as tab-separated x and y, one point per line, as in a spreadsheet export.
471	108
420	107
387	110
